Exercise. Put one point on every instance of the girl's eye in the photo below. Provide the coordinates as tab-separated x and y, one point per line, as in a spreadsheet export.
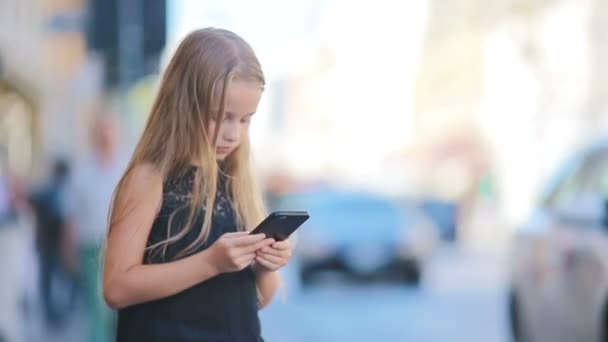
215	119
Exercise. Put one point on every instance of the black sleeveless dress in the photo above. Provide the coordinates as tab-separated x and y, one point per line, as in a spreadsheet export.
223	308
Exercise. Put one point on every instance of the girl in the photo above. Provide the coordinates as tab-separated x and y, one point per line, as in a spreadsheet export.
180	264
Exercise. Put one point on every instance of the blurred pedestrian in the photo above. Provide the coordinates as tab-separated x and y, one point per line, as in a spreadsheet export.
180	263
6	211
56	265
95	177
14	240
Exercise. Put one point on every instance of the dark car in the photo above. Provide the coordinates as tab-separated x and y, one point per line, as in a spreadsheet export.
445	215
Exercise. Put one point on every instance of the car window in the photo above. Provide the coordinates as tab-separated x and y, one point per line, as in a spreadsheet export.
597	180
570	180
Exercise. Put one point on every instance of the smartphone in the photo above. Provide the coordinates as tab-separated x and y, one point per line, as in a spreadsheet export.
280	224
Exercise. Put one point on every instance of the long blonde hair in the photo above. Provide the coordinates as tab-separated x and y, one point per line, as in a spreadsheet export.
193	87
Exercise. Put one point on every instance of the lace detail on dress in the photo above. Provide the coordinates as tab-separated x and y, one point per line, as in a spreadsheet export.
178	192
230	310
174	213
222	203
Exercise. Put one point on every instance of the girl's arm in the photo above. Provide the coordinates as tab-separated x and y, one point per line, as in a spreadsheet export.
127	281
267	283
268	260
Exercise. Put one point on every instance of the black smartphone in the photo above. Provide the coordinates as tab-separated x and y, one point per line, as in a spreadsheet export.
280	224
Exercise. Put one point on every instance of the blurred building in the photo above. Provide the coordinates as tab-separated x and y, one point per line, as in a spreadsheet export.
47	79
59	59
524	78
598	40
515	84
347	104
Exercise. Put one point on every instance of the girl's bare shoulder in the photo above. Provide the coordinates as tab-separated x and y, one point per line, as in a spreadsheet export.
143	181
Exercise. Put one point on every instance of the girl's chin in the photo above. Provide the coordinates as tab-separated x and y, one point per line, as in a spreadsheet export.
221	156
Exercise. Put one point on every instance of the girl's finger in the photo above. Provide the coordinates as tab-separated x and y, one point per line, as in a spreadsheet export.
272	251
282	245
271	258
266	263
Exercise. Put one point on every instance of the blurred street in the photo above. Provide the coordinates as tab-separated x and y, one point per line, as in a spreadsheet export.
452	157
461	299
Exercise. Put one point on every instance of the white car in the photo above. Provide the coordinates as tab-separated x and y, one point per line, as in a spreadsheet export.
559	273
362	235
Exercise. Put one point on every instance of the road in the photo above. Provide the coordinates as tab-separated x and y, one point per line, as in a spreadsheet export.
461	299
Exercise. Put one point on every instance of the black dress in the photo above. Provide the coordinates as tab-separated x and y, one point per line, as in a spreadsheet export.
223	308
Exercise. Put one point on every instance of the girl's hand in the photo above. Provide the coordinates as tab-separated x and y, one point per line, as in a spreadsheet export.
234	251
273	257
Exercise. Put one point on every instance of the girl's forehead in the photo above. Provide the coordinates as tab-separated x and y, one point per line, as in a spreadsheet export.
242	97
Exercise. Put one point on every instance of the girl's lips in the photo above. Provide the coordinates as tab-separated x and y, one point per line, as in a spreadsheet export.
223	149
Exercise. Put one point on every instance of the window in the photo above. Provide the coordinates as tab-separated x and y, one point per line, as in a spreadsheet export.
566	186
596	181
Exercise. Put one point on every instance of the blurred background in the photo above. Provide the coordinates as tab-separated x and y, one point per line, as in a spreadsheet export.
450	154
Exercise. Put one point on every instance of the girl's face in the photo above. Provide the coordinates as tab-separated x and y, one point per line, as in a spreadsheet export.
241	103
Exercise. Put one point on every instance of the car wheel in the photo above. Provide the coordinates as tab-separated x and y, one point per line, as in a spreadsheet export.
604	326
307	275
411	273
516	319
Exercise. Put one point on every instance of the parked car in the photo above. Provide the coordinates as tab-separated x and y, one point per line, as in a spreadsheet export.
559	278
445	215
362	235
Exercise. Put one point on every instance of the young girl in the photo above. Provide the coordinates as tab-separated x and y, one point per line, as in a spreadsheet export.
180	264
